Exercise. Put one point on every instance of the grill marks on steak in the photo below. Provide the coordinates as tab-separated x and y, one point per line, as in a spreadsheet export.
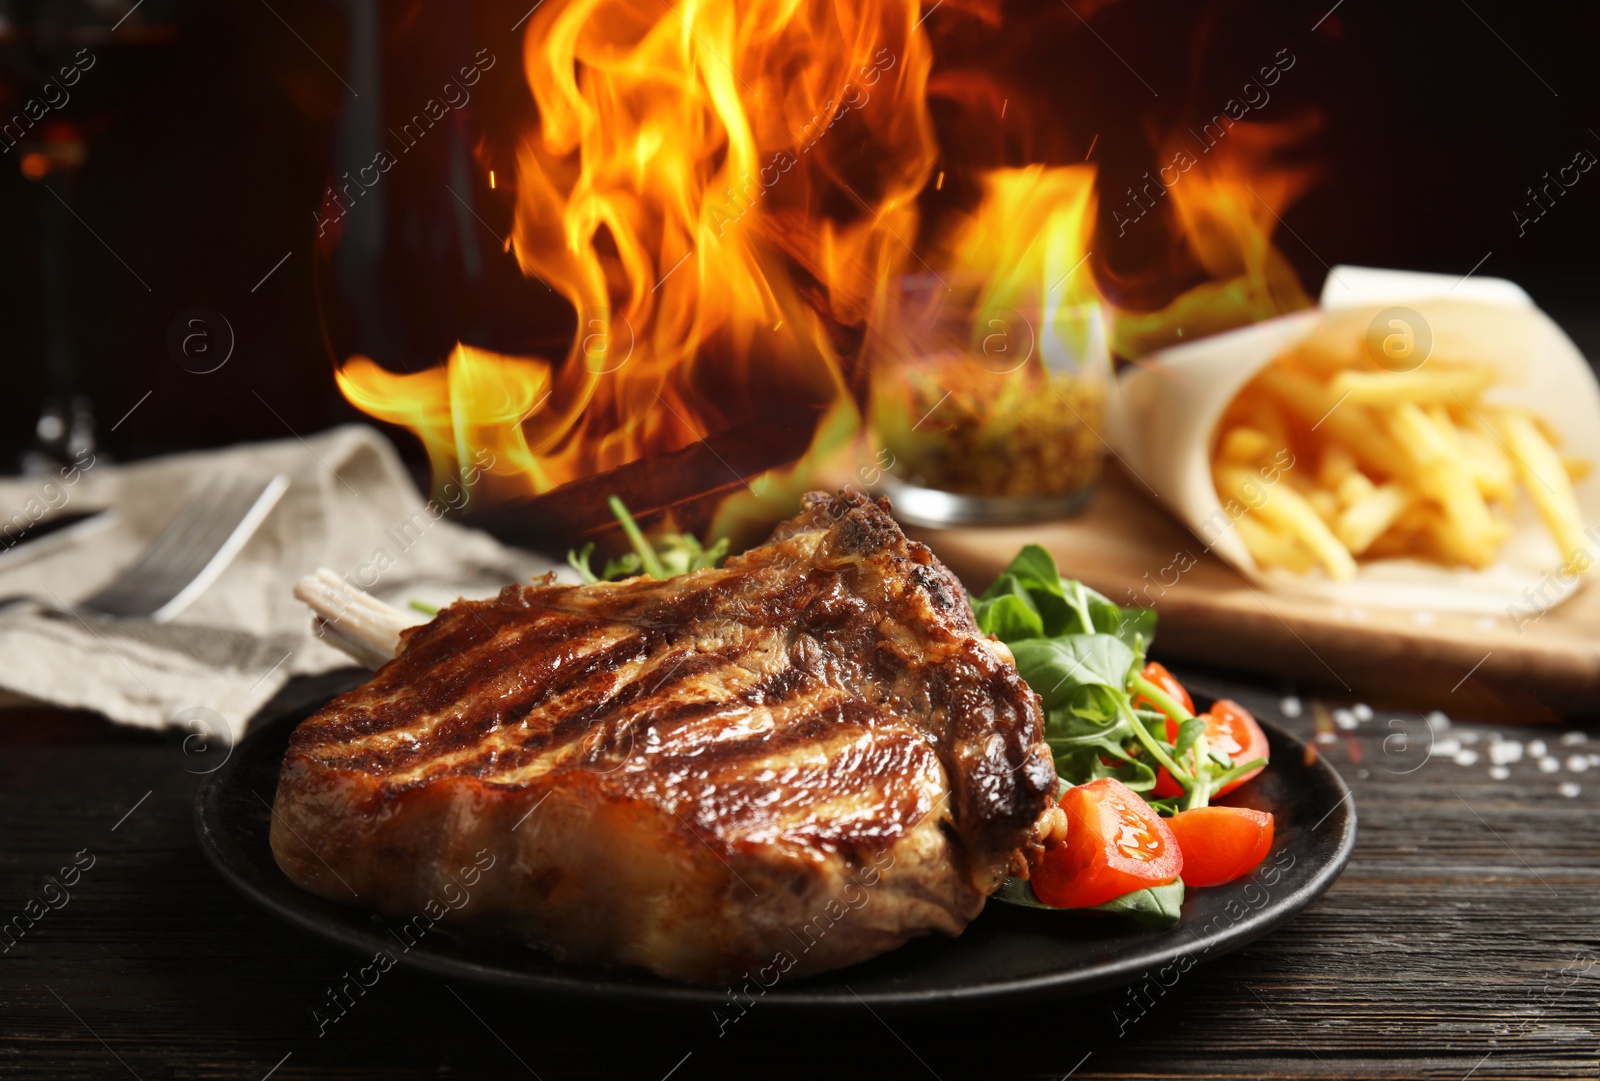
737	740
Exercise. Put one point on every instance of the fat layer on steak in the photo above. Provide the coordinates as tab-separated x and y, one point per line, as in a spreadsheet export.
801	759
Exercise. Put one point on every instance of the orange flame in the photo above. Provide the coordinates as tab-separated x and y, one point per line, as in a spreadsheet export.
692	192
1227	206
725	191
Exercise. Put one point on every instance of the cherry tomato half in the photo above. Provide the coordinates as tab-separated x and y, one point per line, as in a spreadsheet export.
1229	729
1221	844
1157	673
1116	843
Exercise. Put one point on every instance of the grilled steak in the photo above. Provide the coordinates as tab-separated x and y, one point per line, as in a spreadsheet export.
799	760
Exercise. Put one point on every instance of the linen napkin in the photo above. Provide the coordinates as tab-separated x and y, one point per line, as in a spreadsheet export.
350	506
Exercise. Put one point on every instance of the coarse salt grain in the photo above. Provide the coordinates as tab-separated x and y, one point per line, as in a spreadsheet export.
1290	706
1327	737
1503	752
1344	719
1470	736
1537	749
1568	789
1548	765
1572	739
1445	748
1466	758
1362	711
1577	763
1499	773
1438	722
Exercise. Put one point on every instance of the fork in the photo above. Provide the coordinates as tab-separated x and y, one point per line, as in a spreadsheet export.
187	557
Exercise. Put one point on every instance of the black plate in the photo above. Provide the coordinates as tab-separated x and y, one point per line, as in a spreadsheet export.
1007	953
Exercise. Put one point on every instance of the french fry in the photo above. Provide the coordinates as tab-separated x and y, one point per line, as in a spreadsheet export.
1271	548
1397	464
1320	410
1421	386
1546	481
1245	446
1355	488
1365	519
1284	508
1491	467
1336	464
1324	502
1469	534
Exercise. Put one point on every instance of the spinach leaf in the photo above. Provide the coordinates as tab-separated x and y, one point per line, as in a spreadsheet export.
1010	614
1155	907
1062	606
1058	667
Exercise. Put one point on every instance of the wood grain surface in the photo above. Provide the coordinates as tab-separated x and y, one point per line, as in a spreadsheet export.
1125	546
1464	939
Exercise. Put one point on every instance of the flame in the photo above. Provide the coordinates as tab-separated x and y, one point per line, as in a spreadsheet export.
726	194
720	189
1227	206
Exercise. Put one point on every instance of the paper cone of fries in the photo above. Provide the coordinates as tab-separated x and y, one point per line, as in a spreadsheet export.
1515	439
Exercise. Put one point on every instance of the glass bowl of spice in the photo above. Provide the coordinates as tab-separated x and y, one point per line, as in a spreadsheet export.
984	413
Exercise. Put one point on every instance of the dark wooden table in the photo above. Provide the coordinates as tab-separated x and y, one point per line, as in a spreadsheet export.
1463	940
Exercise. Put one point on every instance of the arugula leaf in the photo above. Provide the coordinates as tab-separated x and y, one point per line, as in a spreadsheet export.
1155	907
668	556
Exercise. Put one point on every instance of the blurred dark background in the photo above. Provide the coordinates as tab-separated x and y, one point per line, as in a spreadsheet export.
187	167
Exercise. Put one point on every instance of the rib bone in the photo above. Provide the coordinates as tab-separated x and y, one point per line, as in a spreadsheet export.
355	622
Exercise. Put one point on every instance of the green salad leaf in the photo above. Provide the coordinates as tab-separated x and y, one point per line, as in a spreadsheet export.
1031	600
1084	655
1155	907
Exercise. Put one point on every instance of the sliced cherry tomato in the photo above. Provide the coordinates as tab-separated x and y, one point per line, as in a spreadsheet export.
1229	729
1221	844
1157	673
1116	843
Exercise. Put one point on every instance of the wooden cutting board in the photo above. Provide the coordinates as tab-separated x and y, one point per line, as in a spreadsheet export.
1465	665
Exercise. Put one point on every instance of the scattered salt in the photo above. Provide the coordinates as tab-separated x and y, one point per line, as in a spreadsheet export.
1290	706
1536	748
1503	752
1363	773
1466	758
1499	773
1362	711
1470	736
1577	763
1438	722
1568	789
1548	765
1344	719
1445	748
1327	737
1572	739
